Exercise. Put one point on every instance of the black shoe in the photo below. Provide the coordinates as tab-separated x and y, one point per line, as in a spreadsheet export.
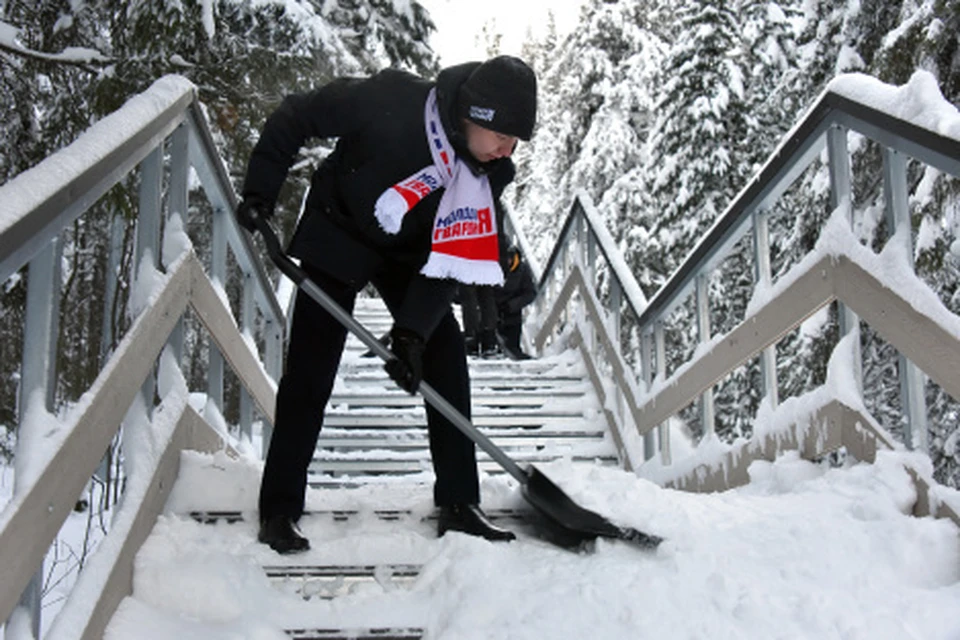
516	354
472	346
469	519
489	346
282	534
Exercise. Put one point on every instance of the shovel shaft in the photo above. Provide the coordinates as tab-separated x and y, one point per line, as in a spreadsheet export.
299	277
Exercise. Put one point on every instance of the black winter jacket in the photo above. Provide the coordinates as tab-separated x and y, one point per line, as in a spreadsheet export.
379	124
518	289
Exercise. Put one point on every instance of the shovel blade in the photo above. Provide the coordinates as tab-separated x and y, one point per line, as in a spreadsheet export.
575	522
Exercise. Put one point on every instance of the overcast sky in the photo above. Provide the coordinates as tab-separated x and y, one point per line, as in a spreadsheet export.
460	24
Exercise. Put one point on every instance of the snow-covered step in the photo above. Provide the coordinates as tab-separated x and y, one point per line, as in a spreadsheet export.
345	440
351	449
326	582
546	408
486	398
373	380
353	516
373	466
378	633
347	420
550	367
309	579
536	410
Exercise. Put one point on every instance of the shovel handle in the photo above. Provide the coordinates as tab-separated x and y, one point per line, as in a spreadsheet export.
299	277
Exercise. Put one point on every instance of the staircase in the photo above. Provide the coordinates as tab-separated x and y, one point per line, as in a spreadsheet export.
603	393
534	410
371	523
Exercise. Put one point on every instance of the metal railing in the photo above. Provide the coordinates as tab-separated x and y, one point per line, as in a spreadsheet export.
587	252
160	135
599	279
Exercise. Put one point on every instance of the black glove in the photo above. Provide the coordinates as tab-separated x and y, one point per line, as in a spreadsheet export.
250	209
406	365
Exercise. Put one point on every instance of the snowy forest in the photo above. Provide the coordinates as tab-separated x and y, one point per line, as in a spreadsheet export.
659	110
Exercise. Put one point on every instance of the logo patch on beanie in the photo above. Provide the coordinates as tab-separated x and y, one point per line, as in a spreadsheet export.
480	113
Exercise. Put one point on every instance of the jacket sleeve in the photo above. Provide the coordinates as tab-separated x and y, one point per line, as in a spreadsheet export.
326	112
526	291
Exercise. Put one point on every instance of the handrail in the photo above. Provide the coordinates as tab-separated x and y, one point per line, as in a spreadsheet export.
839	110
164	121
42	201
794	154
31	521
617	371
583	211
216	180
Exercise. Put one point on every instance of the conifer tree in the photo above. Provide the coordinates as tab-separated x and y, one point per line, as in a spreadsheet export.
701	116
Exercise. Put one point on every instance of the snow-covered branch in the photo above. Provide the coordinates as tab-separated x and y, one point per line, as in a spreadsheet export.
78	56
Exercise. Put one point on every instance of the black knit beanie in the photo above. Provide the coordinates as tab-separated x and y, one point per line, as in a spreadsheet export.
501	95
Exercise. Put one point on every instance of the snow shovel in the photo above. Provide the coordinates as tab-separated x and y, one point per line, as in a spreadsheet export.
571	525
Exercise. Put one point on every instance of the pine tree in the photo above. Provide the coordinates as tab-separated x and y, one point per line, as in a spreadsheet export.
595	104
701	119
770	58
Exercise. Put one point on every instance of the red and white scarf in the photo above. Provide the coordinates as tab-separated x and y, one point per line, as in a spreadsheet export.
464	243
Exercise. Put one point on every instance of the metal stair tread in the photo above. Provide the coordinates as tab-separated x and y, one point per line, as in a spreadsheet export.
501	363
375	381
347	420
336	467
480	413
347	443
383	397
231	516
373	633
543	451
419	432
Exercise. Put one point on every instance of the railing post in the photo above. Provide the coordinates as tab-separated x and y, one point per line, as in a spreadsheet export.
616	299
841	196
578	227
646	365
591	265
703	330
38	377
247	326
763	277
273	362
218	272
178	203
148	233
660	352
912	380
115	251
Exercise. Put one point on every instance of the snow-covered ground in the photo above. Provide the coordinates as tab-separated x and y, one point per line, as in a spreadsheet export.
804	551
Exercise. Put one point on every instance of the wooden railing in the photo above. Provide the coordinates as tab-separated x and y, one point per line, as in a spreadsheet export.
164	122
585	297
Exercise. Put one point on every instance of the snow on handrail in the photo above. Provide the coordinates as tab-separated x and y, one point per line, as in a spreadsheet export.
914	119
43	200
583	208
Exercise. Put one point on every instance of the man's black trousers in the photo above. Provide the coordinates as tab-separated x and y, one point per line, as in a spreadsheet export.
313	356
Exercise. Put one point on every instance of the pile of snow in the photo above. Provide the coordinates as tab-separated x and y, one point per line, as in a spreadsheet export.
803	551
